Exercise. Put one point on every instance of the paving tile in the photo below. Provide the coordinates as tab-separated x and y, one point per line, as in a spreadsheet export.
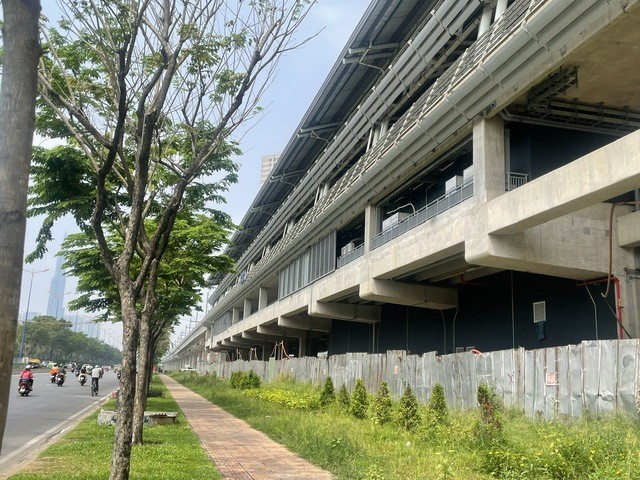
239	451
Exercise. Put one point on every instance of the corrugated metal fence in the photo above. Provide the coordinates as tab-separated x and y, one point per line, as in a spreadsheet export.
550	383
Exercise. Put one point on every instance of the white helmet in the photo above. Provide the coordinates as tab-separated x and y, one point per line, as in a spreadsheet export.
96	366
28	367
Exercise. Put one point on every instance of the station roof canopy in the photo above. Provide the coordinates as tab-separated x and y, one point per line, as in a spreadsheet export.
384	28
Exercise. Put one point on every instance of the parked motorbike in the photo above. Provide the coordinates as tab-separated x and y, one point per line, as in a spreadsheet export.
82	378
60	379
24	387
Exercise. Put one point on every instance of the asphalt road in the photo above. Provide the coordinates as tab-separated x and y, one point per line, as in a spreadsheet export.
46	411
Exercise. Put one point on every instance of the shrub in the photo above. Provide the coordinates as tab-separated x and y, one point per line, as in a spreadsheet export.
409	413
252	380
155	392
298	400
328	395
489	427
359	402
437	408
382	405
244	380
344	399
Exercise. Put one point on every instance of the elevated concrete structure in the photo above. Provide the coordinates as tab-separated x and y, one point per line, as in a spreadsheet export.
477	188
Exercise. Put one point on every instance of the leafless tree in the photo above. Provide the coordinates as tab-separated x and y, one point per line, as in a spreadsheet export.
155	92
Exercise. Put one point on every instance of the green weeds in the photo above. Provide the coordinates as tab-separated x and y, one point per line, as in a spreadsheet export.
486	443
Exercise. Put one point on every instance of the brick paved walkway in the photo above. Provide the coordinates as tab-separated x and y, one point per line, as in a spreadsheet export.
239	451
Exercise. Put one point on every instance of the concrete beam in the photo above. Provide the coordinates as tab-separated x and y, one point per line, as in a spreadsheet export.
602	174
276	331
305	323
422	296
629	230
230	344
254	335
346	311
241	339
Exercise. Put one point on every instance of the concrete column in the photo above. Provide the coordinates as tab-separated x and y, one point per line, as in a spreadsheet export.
488	159
485	20
235	315
302	347
501	6
370	225
247	308
263	298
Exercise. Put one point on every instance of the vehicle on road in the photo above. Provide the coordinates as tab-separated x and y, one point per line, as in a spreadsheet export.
82	378
24	387
34	362
60	379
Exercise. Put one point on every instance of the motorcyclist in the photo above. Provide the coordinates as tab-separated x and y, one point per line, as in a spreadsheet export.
27	374
53	372
96	374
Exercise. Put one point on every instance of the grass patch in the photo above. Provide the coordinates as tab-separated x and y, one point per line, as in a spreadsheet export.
442	448
169	452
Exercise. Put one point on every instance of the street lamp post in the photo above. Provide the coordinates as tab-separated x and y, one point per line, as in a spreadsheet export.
26	315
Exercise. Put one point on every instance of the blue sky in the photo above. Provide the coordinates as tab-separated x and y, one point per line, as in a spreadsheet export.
300	75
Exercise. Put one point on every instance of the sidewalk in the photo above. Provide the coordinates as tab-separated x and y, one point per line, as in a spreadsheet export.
239	451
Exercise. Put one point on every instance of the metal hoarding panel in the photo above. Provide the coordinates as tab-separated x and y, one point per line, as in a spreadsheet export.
627	374
591	374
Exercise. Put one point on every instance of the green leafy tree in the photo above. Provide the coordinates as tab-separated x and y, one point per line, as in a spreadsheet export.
153	94
437	408
359	400
382	406
409	410
343	398
181	277
49	338
328	394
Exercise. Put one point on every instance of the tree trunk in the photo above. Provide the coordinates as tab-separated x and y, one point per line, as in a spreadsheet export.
121	455
142	383
17	120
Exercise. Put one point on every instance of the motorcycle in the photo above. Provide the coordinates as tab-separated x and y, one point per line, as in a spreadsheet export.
24	387
60	379
82	378
53	378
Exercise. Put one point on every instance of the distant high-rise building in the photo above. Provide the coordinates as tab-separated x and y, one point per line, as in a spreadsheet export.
268	162
55	306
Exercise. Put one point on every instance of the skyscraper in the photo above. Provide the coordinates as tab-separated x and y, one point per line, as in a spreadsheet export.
268	162
55	306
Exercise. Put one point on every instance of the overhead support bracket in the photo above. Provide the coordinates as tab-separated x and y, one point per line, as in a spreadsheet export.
413	295
346	311
260	208
285	175
318	128
371	56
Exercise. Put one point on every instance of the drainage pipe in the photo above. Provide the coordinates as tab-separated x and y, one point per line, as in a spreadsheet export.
618	313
